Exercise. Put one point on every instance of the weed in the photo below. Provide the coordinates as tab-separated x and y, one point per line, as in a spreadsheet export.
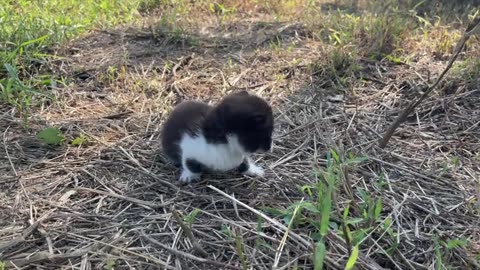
399	56
260	242
338	67
468	69
239	246
170	31
455	243
147	6
318	209
110	264
80	140
226	230
220	9
51	136
370	208
30	28
276	43
190	218
382	34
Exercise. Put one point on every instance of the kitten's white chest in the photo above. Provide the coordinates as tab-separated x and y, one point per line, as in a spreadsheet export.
221	157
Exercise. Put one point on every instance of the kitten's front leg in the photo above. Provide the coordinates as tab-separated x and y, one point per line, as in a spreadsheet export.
191	170
187	176
248	167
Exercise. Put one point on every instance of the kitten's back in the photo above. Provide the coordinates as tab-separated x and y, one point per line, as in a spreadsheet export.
186	117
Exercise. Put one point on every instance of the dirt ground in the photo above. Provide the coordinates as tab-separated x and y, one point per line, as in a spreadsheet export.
114	203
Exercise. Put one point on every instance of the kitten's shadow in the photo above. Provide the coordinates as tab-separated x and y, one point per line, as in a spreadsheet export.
230	181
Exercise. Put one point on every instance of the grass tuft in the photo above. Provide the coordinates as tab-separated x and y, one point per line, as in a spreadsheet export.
31	29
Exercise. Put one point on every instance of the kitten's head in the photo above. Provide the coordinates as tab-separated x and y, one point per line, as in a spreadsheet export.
249	118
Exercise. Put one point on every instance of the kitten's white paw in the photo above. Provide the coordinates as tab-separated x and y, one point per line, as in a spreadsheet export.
187	176
254	170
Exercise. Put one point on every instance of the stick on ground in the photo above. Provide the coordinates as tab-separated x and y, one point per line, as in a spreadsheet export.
472	29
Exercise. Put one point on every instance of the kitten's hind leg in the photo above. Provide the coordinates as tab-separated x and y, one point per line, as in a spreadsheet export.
249	168
191	170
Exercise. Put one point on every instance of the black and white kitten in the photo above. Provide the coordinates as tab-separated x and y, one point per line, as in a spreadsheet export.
199	137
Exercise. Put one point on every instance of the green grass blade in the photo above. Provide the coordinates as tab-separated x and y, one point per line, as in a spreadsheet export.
326	209
353	258
320	254
438	254
37	40
378	208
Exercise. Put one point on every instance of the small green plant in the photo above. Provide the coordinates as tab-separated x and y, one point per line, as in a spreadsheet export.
240	245
456	243
220	9
381	183
190	218
51	136
371	208
150	5
227	231
318	208
339	67
80	140
260	242
110	264
467	69
14	91
325	191
2	265
444	248
276	43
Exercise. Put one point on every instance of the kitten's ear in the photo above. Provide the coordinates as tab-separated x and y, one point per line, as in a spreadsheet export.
241	93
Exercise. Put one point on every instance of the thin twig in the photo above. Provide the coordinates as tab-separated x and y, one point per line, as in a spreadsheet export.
45	256
471	30
279	251
145	204
196	246
187	255
145	257
20	239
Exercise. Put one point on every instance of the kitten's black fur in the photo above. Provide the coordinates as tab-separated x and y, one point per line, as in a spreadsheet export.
247	116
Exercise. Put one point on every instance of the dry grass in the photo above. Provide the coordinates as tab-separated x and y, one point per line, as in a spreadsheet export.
113	203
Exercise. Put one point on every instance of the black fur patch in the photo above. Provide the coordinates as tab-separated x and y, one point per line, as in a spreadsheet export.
187	117
194	166
243	167
247	116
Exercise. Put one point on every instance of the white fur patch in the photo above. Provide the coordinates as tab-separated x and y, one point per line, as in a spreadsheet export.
254	170
219	157
187	176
